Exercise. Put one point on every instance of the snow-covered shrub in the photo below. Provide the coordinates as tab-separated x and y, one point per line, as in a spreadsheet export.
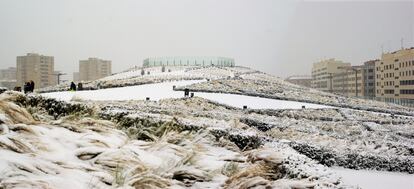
52	106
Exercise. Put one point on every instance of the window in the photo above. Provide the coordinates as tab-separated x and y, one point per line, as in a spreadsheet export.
389	91
406	91
407	82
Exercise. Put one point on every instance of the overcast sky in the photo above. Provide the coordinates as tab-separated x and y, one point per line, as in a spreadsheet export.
279	37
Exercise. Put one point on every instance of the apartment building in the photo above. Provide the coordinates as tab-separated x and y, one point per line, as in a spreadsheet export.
323	72
36	67
93	69
395	76
348	81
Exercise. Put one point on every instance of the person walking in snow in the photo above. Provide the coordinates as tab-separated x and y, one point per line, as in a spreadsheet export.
72	86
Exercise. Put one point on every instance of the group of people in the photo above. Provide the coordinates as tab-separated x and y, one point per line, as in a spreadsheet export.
29	87
73	86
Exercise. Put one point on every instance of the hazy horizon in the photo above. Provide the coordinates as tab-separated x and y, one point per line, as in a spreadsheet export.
280	38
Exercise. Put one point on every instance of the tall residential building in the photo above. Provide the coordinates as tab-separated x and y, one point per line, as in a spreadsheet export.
395	76
302	80
323	71
38	68
348	81
93	69
369	78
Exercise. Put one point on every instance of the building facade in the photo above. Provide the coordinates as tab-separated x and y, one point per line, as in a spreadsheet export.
323	72
302	80
38	68
94	68
188	61
369	78
349	81
395	76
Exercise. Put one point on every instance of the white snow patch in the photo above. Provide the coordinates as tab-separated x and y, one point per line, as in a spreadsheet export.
255	102
368	179
155	91
165	90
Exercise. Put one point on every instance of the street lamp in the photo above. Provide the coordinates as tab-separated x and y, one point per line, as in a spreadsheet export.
58	76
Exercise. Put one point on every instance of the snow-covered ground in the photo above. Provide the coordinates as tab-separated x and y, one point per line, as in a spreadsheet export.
255	102
199	142
376	179
165	90
155	91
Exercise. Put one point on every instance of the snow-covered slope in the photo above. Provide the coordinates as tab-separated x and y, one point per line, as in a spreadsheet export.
78	151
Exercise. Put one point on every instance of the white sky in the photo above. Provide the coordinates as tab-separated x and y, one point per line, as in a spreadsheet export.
279	37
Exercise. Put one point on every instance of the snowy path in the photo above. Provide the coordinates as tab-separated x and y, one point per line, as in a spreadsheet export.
376	179
255	102
164	90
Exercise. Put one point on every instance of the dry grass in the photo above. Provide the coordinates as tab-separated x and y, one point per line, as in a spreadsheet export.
230	169
252	176
15	113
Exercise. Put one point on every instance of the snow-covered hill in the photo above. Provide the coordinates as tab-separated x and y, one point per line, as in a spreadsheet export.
139	76
113	137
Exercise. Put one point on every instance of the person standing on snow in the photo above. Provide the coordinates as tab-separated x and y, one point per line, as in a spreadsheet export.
32	85
26	87
72	86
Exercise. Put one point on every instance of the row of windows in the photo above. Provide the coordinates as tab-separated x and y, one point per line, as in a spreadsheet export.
318	70
387	83
406	64
402	91
407	82
387	75
369	70
387	67
369	84
401	65
389	91
406	91
370	77
403	73
369	90
346	85
407	73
